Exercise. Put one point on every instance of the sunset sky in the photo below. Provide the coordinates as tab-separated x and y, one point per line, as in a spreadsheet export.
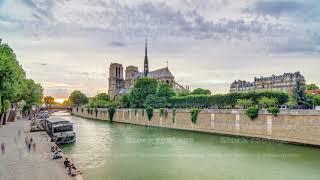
69	44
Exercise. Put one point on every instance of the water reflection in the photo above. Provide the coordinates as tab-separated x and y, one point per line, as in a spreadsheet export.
122	151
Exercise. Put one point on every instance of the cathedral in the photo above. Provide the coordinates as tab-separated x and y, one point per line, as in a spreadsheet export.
119	85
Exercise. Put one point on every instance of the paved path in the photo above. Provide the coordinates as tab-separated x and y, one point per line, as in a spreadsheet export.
19	164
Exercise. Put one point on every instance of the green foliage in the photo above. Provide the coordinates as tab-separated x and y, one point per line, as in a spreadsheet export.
312	87
244	103
200	91
266	102
142	89
314	100
149	111
252	112
111	111
291	103
165	90
155	101
101	100
194	114
174	110
223	100
273	110
102	96
33	93
161	111
184	93
48	101
12	76
6	106
77	98
125	101
299	94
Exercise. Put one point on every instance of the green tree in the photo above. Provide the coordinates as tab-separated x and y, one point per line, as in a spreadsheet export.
48	101
125	101
266	102
142	89
244	103
66	103
77	98
166	91
252	112
201	91
33	93
12	76
155	101
103	96
312	87
299	93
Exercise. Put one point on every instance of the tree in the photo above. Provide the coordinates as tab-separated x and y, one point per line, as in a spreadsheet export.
299	94
244	103
155	101
142	88
12	76
77	98
33	93
103	96
166	91
48	101
266	102
201	91
312	87
66	103
125	101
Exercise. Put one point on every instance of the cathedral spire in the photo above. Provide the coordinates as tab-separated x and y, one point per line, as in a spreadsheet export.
146	62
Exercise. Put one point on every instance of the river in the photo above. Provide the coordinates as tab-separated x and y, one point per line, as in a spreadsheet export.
120	151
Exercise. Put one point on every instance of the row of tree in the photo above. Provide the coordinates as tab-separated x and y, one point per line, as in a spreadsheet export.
15	88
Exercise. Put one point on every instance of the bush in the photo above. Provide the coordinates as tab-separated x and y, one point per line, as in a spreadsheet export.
149	111
161	111
111	111
273	110
174	115
194	114
252	112
6	106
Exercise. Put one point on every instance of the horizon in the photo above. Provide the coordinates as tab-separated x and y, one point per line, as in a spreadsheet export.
64	46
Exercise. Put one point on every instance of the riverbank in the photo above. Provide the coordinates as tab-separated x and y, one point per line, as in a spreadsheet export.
290	126
18	163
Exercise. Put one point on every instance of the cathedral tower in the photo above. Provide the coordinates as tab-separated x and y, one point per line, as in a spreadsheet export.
146	62
116	81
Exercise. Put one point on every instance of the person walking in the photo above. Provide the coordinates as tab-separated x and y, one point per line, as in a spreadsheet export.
3	148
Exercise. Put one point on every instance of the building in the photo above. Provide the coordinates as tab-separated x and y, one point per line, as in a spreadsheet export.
119	85
282	83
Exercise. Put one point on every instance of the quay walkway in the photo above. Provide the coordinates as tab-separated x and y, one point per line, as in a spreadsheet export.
17	163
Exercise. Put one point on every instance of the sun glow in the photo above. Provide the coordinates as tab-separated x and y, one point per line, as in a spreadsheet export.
59	100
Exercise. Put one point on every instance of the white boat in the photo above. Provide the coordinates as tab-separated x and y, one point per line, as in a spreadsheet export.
60	130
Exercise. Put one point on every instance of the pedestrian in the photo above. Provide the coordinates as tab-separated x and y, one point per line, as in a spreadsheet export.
34	147
29	146
3	148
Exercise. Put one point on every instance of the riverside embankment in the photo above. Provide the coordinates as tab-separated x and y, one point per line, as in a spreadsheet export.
18	163
292	126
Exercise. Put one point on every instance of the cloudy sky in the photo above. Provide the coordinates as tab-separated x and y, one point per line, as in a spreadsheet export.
69	44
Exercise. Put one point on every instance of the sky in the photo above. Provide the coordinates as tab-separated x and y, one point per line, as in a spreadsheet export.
69	44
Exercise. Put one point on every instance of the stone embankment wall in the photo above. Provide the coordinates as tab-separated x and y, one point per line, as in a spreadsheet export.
290	126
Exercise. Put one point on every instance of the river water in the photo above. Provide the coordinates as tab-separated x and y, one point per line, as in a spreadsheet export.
119	151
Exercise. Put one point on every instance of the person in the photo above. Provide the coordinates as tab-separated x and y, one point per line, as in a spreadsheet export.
52	148
34	146
66	163
3	149
56	155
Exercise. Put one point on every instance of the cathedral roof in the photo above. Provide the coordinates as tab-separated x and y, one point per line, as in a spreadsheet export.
159	73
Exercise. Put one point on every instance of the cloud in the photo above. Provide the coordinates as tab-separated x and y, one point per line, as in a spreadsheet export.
117	44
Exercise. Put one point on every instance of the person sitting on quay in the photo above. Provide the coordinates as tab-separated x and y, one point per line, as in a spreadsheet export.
67	163
73	170
56	155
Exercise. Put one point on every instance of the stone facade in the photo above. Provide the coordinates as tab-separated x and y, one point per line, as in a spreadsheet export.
292	126
119	85
282	83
